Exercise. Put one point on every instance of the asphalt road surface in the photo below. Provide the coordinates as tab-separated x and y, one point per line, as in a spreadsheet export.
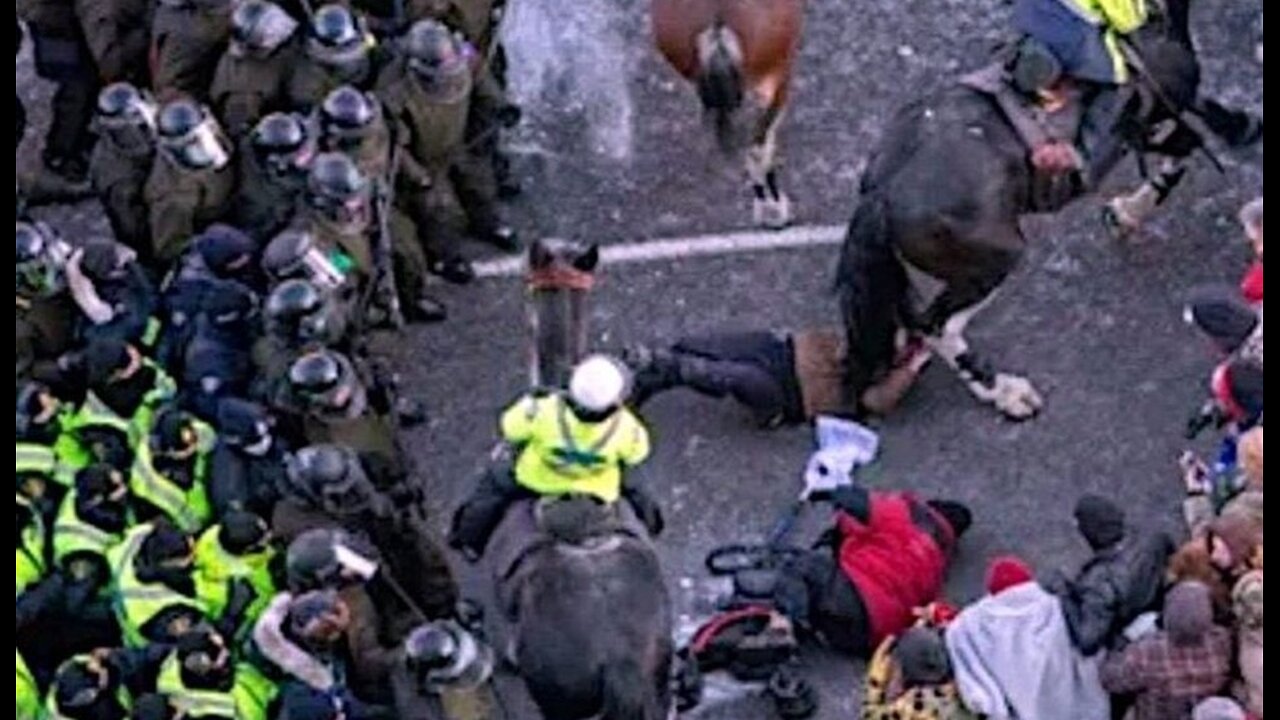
613	151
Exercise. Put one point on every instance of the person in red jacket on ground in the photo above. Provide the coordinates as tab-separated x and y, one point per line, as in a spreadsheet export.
1251	284
889	553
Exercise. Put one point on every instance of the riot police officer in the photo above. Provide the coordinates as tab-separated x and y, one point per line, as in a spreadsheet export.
274	164
187	38
348	215
44	322
191	182
428	92
339	51
122	161
252	76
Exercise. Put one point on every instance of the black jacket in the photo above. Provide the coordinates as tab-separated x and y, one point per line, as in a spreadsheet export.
1115	586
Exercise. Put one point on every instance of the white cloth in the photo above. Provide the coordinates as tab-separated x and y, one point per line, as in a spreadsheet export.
1013	660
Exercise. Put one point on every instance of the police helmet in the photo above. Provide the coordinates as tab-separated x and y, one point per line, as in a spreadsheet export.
178	119
258	25
346	113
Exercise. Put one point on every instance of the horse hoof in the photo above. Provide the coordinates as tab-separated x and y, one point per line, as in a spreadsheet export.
1016	397
772	214
1119	225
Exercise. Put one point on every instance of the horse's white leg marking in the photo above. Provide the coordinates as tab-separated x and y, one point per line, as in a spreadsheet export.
1012	395
771	207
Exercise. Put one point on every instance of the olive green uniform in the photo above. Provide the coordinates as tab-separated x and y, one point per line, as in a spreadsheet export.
43	330
186	42
183	202
246	88
436	171
264	204
118	34
119	177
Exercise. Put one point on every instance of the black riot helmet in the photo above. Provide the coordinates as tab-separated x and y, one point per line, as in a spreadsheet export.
331	477
345	117
281	142
338	41
296	311
293	254
326	381
39	256
338	189
127	116
190	136
259	27
439	59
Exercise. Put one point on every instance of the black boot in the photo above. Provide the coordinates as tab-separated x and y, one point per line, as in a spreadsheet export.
653	371
425	309
456	270
645	507
475	520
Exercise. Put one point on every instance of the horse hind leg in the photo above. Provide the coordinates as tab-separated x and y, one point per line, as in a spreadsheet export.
1012	395
770	206
1126	213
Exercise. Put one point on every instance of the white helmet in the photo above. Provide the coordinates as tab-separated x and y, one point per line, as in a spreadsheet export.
599	383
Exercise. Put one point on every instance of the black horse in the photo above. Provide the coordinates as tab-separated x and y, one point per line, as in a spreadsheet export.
588	623
936	229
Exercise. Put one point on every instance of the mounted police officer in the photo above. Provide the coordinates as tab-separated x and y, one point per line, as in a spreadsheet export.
578	443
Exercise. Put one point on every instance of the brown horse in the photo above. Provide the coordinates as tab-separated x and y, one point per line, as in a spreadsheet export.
732	49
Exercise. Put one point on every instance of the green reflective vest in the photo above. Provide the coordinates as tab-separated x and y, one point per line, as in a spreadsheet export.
26	698
137	602
72	535
560	454
215	568
38	459
248	699
187	508
93	412
30	553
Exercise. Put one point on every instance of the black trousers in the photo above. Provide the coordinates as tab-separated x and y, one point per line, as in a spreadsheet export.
814	593
755	368
65	61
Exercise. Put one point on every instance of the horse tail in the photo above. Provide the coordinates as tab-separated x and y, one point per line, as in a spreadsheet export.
626	693
720	77
872	285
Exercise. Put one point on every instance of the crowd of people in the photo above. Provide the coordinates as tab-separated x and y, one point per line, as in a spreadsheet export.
215	517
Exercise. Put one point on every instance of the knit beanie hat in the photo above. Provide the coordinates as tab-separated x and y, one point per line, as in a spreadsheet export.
222	245
1101	521
1188	612
299	701
1218	708
1005	572
922	657
1219	313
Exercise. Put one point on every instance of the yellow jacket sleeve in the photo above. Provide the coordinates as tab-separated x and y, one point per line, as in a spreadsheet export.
518	420
635	447
1124	16
875	701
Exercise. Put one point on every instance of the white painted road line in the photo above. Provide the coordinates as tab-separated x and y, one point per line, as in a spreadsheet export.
732	243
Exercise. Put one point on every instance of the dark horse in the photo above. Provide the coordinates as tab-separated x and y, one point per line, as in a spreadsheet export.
588	624
936	229
732	50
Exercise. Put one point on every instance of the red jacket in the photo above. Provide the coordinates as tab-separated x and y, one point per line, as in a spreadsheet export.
895	565
1251	284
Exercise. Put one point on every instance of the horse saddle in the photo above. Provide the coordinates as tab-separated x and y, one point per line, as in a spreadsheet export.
580	521
1047	130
